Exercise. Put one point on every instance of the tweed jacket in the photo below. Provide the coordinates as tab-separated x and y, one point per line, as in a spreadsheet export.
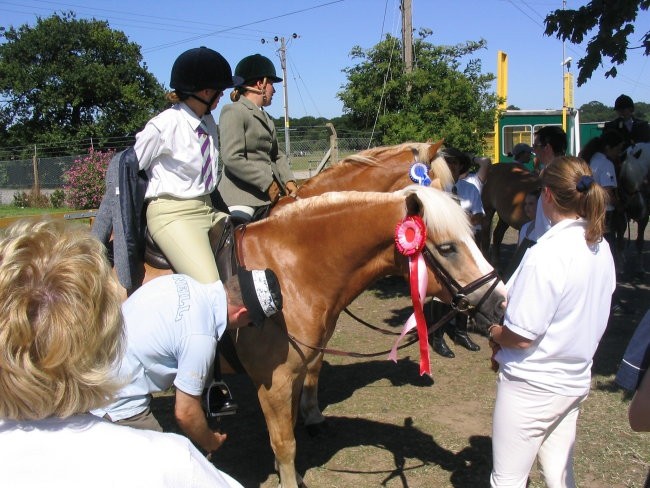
640	130
250	155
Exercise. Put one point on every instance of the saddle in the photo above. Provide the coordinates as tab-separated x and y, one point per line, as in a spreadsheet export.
222	242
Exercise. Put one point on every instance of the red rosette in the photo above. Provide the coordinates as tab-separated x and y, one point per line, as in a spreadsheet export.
410	235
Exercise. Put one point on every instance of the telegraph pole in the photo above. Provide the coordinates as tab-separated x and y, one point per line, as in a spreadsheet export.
407	36
283	65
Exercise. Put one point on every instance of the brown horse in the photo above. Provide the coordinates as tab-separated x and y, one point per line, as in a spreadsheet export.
504	193
325	251
380	169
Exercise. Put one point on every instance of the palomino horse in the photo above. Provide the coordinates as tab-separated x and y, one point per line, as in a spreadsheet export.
325	251
634	192
504	193
380	169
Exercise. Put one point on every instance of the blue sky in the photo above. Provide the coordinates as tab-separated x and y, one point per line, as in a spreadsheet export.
328	29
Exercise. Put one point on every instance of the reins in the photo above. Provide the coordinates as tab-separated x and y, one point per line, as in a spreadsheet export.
352	354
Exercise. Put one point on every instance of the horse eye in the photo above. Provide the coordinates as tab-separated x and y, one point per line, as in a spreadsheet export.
446	249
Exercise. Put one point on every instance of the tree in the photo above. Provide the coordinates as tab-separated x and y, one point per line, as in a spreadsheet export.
436	100
614	20
67	79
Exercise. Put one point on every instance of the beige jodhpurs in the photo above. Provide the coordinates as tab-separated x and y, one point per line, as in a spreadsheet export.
180	228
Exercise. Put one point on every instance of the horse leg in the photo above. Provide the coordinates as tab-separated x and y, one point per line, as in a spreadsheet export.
279	403
312	416
497	238
640	241
486	229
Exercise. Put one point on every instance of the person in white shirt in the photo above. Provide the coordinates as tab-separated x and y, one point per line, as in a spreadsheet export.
60	336
172	327
178	151
558	306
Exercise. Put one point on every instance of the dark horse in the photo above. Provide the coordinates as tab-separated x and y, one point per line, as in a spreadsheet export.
504	193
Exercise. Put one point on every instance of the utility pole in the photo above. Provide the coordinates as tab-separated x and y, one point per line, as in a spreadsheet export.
283	65
407	36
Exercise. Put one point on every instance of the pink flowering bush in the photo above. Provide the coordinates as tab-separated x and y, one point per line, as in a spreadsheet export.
84	182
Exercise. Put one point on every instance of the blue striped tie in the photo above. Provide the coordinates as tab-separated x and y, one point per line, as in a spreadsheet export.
206	168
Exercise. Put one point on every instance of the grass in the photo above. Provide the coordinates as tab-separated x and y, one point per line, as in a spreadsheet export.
13	211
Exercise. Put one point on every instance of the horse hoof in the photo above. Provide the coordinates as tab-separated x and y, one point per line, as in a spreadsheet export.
318	429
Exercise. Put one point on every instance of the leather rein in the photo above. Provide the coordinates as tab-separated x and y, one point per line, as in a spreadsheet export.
459	304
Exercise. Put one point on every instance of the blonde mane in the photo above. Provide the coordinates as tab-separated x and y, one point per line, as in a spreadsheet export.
442	215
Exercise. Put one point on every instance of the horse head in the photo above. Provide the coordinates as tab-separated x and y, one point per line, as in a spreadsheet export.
469	283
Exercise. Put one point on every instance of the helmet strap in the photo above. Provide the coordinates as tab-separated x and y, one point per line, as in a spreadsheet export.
207	103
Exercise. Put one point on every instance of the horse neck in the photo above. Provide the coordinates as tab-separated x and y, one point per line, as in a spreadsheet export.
335	253
383	176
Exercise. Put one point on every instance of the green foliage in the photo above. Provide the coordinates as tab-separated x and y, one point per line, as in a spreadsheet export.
65	79
597	112
21	199
57	198
85	185
440	98
614	24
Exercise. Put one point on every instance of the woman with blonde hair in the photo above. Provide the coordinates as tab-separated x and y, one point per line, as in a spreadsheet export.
558	306
60	336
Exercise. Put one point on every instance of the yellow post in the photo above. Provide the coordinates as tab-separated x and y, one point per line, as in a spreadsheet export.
502	94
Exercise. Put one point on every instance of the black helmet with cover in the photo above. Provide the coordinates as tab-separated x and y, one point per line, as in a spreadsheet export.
256	67
200	68
623	102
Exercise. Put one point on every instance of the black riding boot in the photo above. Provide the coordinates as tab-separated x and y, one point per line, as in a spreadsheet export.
439	345
460	336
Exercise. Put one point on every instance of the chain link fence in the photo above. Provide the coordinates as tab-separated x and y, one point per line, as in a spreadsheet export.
18	174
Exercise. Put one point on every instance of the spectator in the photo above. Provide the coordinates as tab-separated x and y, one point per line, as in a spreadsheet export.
172	326
470	200
523	154
558	307
60	335
256	173
527	229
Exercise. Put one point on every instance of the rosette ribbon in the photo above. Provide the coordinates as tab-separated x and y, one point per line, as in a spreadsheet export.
419	173
410	239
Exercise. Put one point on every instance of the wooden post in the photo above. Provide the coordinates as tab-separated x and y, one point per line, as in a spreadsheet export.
334	143
36	189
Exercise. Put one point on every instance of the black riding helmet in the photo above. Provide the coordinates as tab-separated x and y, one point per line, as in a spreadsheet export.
256	67
200	68
623	102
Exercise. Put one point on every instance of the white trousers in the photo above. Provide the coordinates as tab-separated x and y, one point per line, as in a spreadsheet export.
529	422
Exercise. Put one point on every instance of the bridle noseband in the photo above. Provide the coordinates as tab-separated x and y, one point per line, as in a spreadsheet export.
459	301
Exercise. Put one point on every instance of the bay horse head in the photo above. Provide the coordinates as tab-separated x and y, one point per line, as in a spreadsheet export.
325	251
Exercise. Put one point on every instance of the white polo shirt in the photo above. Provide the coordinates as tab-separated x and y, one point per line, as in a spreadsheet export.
559	297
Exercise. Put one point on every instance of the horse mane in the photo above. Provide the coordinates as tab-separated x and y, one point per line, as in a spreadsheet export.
373	156
442	215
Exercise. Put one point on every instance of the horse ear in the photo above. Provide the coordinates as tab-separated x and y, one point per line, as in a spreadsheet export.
413	204
433	149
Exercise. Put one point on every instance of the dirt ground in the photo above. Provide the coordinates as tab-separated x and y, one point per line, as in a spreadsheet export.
387	426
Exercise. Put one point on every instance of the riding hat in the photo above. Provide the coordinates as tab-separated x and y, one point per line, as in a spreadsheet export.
256	67
520	148
261	293
623	102
200	68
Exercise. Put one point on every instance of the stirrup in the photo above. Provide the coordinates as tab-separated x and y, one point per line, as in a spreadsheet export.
217	400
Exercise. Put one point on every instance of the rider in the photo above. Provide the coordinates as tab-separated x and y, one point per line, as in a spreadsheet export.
178	150
256	173
631	128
